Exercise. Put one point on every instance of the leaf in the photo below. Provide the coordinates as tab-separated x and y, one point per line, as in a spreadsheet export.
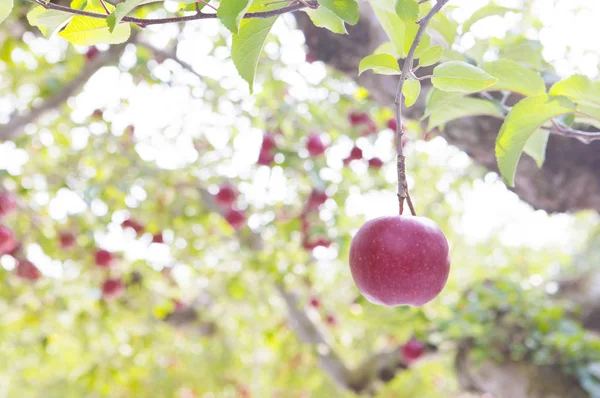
520	123
524	51
410	32
411	90
6	7
387	48
461	77
431	56
347	10
445	27
383	64
536	146
578	88
513	76
323	18
457	108
231	12
121	11
393	27
407	10
86	31
437	99
47	21
484	12
247	45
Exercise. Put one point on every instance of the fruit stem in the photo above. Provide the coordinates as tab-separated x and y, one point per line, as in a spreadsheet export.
406	68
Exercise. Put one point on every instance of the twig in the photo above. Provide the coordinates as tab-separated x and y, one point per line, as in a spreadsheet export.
586	137
406	68
161	21
170	55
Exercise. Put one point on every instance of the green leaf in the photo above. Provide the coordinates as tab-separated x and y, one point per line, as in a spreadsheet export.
411	90
407	10
437	99
484	12
121	11
581	90
387	48
455	108
47	21
347	10
86	31
231	12
513	76
445	27
536	146
520	123
247	45
431	56
383	64
524	51
6	7
410	32
393	27
323	18
456	76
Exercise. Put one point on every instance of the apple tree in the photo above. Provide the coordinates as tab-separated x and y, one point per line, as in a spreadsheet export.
189	193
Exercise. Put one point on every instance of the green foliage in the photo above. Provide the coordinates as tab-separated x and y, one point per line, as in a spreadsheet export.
247	45
484	12
230	13
87	31
411	90
460	77
47	21
324	18
6	7
431	56
520	123
347	10
121	10
407	10
383	64
498	311
514	77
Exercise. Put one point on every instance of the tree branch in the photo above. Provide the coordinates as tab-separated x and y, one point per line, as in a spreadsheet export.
406	69
169	55
15	125
587	137
161	21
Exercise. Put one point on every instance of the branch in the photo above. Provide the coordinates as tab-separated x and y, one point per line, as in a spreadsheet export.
160	21
169	55
587	137
406	69
362	379
15	125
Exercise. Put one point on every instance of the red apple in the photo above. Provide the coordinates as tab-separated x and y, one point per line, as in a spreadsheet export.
314	145
314	302
91	53
371	128
400	260
331	321
66	239
8	203
8	242
226	196
310	58
412	350
316	199
375	163
26	270
355	154
133	224
235	218
265	158
104	258
268	143
158	238
392	124
112	288
358	118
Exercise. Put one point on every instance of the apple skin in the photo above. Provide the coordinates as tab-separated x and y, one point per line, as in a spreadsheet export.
400	260
8	241
412	350
8	203
26	270
226	196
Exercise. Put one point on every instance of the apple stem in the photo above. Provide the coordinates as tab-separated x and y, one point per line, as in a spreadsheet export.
406	68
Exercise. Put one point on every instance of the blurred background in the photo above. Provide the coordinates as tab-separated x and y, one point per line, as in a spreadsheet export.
166	234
